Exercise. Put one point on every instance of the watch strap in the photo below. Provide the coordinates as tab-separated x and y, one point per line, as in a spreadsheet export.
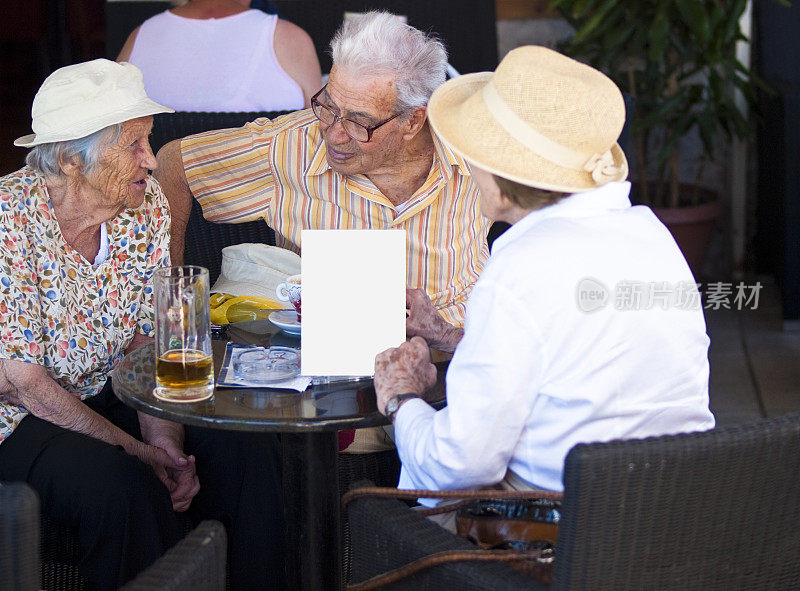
399	399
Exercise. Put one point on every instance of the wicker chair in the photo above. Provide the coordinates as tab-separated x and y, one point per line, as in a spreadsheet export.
35	551
59	555
19	538
196	563
700	511
205	240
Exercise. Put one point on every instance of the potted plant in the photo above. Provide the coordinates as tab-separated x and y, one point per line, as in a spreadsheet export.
677	59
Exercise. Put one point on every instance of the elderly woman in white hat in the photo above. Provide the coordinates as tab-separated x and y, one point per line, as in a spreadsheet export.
549	357
82	229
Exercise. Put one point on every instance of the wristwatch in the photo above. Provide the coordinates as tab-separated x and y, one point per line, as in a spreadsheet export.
395	402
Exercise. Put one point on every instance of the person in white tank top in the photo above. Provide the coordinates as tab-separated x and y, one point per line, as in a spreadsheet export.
218	55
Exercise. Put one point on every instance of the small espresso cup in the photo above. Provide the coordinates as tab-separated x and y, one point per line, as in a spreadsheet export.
289	291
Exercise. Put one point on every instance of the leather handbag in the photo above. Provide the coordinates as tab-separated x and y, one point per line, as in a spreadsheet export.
529	524
519	527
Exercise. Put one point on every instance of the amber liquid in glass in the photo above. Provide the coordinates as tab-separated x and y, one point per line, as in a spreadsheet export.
184	375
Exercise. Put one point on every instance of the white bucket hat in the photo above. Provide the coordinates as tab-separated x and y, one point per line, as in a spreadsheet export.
541	119
253	269
75	101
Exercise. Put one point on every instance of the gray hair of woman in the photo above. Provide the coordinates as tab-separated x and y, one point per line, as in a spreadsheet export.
46	158
378	43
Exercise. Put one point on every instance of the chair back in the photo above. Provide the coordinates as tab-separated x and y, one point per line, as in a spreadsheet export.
196	563
19	537
709	511
204	240
171	126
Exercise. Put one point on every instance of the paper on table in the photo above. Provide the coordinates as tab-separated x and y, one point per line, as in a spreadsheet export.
353	299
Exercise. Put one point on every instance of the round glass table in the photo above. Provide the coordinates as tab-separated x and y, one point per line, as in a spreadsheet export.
308	422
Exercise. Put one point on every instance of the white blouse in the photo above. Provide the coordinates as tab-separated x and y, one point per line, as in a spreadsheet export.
546	362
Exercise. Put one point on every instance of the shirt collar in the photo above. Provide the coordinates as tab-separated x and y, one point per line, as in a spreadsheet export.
609	197
446	158
318	163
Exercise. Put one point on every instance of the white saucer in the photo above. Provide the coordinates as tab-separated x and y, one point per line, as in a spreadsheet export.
286	321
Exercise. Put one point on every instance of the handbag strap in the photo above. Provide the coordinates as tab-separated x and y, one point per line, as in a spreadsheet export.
444	557
464	496
395	493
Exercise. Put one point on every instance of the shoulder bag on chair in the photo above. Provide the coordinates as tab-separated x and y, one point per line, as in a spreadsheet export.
518	527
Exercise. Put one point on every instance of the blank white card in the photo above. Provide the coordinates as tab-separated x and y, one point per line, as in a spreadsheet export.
354	299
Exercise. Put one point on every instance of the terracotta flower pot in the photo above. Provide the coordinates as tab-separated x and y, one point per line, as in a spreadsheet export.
692	227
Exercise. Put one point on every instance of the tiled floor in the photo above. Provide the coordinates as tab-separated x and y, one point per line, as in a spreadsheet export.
755	365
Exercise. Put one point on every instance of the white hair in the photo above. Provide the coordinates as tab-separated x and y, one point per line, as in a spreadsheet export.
378	43
46	158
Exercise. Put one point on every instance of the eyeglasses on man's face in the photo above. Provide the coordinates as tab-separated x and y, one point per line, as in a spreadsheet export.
356	131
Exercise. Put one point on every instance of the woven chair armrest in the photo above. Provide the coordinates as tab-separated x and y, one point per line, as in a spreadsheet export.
389	536
196	563
478	555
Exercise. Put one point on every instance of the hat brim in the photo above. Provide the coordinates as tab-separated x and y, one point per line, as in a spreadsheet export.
244	288
141	108
460	118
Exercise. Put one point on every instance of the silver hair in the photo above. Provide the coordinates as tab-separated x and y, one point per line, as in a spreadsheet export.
378	43
45	158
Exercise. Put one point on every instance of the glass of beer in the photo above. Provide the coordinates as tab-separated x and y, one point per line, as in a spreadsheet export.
184	367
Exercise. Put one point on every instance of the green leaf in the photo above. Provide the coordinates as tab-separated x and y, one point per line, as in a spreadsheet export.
595	22
716	15
707	126
730	30
616	37
695	16
582	8
659	34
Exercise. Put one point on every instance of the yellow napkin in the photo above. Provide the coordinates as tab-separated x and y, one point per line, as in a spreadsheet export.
226	308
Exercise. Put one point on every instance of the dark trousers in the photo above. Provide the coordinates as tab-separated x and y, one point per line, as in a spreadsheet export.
123	513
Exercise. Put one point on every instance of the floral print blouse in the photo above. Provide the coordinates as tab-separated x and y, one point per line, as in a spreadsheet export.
56	309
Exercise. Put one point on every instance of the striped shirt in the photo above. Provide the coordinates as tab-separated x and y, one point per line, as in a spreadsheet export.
277	169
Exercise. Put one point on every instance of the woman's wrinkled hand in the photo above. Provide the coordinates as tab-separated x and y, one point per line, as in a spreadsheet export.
175	470
404	369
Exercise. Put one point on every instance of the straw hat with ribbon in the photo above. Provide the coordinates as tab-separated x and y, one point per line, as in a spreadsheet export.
540	119
77	100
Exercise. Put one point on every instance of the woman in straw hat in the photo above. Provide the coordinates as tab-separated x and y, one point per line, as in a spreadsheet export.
585	324
82	229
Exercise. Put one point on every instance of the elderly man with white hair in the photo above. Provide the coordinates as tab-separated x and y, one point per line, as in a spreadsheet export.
363	157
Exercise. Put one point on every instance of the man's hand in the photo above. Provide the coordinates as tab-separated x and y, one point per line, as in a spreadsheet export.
424	321
404	369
